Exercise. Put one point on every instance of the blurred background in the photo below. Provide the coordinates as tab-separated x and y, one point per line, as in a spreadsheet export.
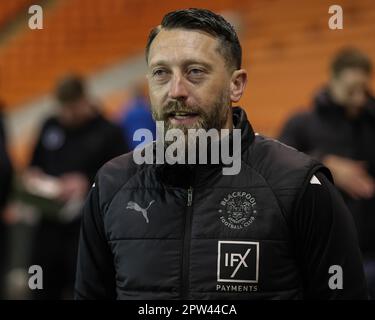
90	56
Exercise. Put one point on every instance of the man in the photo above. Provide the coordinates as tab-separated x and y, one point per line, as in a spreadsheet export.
5	167
6	173
71	147
340	132
275	230
136	115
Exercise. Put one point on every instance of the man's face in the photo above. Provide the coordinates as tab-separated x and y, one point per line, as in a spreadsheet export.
349	89
76	113
189	81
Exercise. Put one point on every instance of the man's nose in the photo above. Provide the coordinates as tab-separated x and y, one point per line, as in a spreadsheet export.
178	89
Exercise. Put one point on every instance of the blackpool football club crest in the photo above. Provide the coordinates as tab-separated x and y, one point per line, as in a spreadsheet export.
238	210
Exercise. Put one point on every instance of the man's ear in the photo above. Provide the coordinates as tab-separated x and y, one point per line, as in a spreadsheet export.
238	84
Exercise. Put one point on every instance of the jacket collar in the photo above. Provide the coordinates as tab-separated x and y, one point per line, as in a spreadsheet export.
241	122
186	175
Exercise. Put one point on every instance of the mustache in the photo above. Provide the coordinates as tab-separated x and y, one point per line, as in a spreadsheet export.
178	106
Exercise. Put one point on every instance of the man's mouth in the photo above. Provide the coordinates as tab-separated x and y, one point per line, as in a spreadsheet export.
185	118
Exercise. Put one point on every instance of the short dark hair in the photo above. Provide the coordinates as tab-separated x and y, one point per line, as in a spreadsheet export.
70	89
350	58
207	21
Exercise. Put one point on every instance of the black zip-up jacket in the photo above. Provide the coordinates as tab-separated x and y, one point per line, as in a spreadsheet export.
276	230
326	129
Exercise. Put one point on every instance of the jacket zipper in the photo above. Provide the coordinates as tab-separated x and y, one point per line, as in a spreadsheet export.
186	245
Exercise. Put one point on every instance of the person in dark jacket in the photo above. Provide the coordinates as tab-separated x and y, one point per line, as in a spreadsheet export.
6	174
277	229
71	147
340	132
5	167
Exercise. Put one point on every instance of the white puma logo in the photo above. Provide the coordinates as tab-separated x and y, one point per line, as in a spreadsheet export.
135	206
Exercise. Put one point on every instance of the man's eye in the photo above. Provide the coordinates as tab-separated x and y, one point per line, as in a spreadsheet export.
195	72
159	73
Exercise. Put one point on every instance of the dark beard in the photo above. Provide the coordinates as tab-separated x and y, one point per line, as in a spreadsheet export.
215	119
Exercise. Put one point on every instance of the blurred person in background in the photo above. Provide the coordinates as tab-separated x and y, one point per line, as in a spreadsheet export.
137	115
5	187
340	132
71	147
5	165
